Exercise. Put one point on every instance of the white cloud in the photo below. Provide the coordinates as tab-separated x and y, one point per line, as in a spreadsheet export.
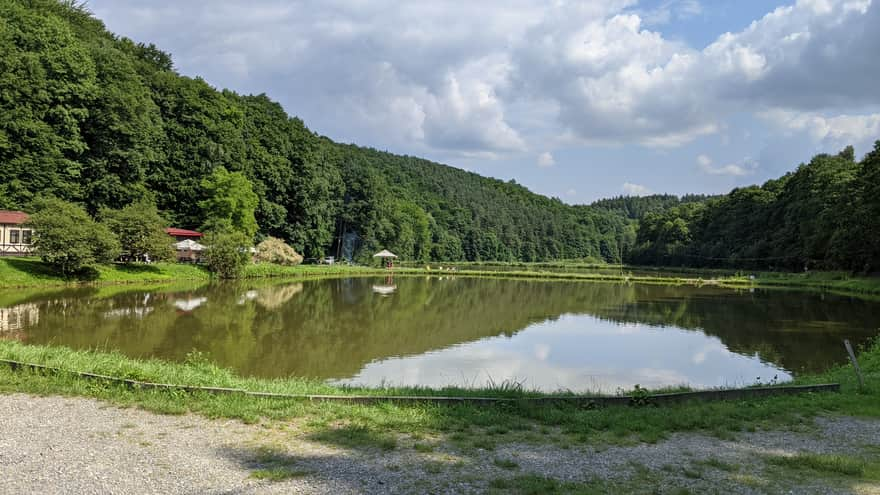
670	10
631	189
546	159
497	77
617	82
704	160
747	167
836	131
571	192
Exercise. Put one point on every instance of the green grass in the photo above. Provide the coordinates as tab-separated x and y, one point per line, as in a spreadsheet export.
533	484
378	426
829	464
32	272
423	447
539	485
505	463
718	464
278	473
356	437
271	464
840	282
834	281
18	272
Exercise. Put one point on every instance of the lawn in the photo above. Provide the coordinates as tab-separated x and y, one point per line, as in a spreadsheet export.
474	425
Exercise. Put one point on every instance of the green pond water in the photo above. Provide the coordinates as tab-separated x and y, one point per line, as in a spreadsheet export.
437	331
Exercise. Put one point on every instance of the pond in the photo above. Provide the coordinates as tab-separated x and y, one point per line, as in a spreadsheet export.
437	331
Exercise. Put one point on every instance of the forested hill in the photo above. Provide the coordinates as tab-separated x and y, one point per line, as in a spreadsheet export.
103	121
636	207
824	215
100	120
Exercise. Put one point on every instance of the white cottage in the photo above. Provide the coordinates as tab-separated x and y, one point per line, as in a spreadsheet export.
15	239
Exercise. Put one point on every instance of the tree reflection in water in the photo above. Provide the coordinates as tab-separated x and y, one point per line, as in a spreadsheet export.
334	329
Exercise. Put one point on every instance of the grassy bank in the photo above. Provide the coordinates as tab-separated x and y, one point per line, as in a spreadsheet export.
470	425
31	272
837	282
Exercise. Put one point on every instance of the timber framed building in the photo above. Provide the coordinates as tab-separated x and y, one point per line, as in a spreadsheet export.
15	239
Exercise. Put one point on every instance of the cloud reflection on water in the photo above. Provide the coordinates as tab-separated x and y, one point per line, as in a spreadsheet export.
588	355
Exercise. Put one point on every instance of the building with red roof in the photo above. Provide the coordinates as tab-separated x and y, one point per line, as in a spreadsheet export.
187	246
15	239
183	234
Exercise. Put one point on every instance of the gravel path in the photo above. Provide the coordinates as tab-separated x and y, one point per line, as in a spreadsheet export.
52	445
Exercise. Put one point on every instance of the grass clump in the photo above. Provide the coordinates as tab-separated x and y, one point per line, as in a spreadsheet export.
357	437
532	484
271	464
505	463
278	473
715	463
834	464
423	448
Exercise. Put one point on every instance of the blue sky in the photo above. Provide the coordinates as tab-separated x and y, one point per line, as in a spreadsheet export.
574	99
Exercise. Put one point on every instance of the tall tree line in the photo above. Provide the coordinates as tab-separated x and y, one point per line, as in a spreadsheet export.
824	215
97	119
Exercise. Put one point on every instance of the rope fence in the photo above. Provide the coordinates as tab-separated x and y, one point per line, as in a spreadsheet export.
580	401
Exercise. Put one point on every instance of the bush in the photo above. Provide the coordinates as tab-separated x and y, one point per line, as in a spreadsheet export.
141	232
68	239
227	253
274	250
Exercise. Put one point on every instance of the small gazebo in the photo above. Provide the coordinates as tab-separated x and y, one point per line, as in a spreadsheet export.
387	258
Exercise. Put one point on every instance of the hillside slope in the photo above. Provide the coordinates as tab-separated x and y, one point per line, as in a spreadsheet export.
98	119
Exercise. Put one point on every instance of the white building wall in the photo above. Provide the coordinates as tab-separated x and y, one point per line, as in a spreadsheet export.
6	244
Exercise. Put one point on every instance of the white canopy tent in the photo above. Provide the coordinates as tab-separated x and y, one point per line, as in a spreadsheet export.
384	254
189	245
387	258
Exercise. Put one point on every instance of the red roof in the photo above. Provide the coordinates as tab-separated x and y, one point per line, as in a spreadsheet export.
175	232
16	217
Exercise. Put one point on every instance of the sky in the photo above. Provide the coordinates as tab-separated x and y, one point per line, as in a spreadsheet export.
578	100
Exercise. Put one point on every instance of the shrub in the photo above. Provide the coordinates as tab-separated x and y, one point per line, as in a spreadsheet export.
68	239
227	253
140	230
274	250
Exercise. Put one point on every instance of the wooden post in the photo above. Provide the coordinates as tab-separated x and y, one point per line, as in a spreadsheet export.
852	357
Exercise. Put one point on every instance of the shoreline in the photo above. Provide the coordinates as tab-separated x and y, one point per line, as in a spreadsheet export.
197	372
376	417
31	273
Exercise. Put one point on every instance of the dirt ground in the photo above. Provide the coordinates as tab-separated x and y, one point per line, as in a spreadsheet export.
73	445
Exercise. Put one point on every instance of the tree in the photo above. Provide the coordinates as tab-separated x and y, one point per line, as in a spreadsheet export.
230	204
67	238
274	250
48	82
228	253
140	230
98	119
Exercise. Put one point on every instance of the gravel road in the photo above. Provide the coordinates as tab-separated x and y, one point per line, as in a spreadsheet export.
55	445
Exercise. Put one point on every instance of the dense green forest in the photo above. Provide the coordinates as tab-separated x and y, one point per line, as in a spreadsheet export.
824	215
99	120
636	207
102	121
